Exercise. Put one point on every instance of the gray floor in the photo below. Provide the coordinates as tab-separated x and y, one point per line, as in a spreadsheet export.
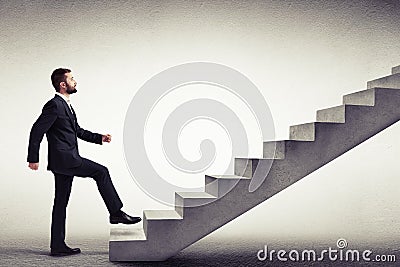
211	251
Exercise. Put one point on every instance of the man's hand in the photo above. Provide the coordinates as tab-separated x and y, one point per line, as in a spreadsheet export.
106	138
34	166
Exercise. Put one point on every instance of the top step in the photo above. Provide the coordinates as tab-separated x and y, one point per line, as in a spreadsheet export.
391	81
396	70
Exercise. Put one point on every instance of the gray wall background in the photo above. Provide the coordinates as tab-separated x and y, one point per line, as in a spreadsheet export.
302	55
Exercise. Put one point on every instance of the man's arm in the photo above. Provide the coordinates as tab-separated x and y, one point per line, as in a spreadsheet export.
39	128
92	137
88	136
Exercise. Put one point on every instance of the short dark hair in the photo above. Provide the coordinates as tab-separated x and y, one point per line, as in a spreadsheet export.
58	76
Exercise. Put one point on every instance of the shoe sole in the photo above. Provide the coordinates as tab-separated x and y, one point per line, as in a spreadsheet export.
63	254
117	222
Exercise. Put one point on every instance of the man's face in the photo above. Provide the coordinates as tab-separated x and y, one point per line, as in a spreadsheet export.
70	83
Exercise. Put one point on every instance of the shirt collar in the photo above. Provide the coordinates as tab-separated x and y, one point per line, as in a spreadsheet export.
64	97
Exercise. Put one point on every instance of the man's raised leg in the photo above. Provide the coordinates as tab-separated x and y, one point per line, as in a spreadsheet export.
107	190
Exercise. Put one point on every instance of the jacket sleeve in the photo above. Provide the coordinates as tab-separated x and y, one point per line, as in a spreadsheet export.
88	136
39	128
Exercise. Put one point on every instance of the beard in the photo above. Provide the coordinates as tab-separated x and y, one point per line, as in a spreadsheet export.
71	90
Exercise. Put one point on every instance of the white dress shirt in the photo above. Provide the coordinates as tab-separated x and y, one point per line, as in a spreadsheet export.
66	100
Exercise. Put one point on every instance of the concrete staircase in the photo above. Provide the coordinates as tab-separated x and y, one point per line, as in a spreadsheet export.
311	145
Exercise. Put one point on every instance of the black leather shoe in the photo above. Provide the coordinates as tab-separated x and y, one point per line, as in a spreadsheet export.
66	251
122	217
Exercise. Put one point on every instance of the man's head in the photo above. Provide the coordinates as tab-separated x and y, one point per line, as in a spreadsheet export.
63	81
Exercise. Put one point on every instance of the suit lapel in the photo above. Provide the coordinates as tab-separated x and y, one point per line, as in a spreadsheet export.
69	112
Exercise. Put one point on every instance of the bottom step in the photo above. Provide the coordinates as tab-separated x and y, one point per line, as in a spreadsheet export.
124	234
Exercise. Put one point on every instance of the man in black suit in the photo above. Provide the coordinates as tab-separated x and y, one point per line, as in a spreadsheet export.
58	121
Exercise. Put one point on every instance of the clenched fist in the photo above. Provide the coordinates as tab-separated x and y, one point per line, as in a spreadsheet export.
34	166
106	138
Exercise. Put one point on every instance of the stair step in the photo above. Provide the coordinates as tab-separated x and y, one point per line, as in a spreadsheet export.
194	195
391	81
307	131
161	215
158	215
340	113
274	149
333	114
302	132
247	166
219	185
396	70
125	234
365	98
191	199
152	219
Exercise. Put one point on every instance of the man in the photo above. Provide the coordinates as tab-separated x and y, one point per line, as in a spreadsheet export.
59	122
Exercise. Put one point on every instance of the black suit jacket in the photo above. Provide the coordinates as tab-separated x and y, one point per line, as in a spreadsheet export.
62	130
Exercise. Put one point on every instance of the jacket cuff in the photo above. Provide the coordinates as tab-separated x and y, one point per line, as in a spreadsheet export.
32	159
99	139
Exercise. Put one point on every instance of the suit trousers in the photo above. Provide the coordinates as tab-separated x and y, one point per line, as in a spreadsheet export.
63	184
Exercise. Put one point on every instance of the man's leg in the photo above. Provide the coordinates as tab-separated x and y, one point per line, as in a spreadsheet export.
63	184
104	184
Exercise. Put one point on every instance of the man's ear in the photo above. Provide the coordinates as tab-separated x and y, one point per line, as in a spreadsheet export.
63	85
